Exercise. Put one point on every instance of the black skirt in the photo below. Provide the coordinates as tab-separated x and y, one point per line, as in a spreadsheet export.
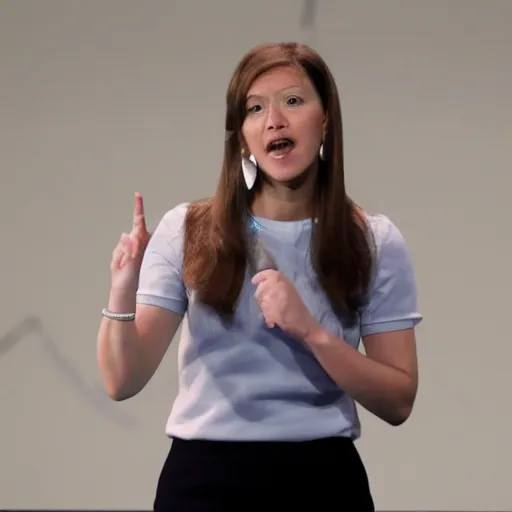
207	476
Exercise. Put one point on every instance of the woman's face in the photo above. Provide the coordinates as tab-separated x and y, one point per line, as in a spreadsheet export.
284	123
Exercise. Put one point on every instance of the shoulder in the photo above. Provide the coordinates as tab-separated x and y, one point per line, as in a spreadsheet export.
188	213
185	221
184	213
175	217
387	238
170	229
391	302
392	257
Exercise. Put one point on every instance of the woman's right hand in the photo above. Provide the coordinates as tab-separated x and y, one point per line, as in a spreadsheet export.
128	254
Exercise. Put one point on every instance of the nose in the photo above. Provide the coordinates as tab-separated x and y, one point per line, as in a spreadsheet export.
276	120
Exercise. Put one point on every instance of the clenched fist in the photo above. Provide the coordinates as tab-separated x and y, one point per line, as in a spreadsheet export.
281	304
128	254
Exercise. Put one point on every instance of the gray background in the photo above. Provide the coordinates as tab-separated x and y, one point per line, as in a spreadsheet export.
101	98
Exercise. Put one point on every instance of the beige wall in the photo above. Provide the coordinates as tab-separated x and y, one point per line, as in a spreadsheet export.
99	99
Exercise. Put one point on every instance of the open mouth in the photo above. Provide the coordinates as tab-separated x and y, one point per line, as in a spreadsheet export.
280	145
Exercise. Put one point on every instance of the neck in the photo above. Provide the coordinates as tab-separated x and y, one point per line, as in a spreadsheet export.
286	202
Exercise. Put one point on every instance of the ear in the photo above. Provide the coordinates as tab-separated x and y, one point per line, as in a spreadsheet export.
243	145
325	123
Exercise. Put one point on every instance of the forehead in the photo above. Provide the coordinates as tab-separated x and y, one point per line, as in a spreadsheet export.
278	79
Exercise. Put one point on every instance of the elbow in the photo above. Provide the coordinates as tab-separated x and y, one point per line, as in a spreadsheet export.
118	393
400	412
116	384
392	413
402	404
119	389
399	406
399	417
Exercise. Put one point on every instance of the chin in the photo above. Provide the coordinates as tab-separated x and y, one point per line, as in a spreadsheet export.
293	178
288	174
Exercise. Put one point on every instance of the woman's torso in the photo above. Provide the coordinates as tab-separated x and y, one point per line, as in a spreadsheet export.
248	382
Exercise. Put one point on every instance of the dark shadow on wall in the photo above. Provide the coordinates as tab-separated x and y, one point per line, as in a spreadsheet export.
93	395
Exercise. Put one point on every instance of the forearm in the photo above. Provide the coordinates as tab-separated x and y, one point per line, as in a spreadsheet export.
119	350
383	390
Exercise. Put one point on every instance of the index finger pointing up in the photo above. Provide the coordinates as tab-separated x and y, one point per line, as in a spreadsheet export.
139	220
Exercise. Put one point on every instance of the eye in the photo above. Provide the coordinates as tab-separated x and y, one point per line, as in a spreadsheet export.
253	109
293	101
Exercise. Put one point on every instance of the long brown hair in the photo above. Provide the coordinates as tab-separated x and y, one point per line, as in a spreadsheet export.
215	248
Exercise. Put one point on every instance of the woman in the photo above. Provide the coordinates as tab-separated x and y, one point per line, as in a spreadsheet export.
280	275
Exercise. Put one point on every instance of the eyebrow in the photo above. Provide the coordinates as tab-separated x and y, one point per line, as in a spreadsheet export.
284	89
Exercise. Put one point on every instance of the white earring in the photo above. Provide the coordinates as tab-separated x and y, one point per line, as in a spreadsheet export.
321	149
249	170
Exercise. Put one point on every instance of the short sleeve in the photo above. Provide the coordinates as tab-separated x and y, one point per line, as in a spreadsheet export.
391	303
161	282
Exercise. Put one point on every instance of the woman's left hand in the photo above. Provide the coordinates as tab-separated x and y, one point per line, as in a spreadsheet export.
281	304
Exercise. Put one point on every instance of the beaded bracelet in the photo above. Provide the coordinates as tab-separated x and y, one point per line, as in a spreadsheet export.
123	317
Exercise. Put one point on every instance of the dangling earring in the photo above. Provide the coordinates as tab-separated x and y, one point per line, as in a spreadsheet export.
321	150
249	170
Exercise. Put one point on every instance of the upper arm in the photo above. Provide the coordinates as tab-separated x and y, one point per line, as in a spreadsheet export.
161	296
156	327
390	313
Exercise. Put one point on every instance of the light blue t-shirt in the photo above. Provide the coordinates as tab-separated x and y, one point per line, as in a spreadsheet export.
250	382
